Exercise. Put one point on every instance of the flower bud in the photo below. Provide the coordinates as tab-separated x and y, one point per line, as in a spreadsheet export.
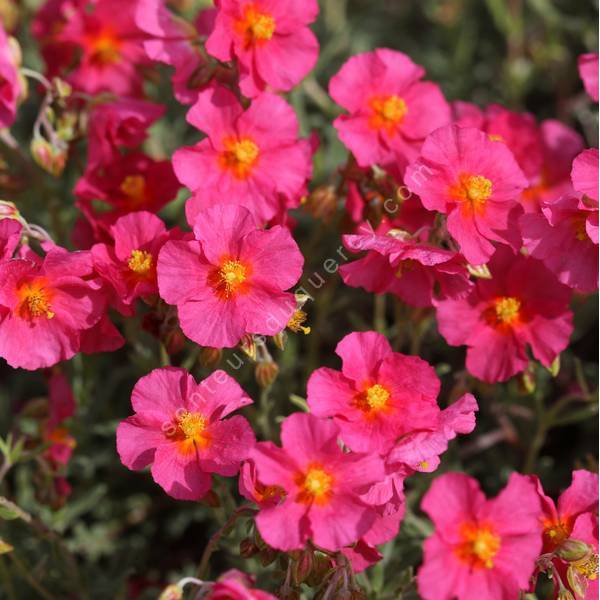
50	158
171	592
8	210
210	357
322	202
248	346
248	548
302	567
267	556
573	550
266	373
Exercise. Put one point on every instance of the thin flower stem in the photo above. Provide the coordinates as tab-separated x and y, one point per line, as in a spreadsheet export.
26	575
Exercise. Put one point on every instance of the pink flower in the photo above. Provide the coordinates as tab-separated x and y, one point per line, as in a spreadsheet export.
558	519
585	173
253	489
588	71
122	123
251	156
379	396
476	182
129	266
401	265
235	585
44	306
175	42
179	428
110	50
322	487
565	237
10	84
391	110
10	236
271	41
480	548
523	305
129	183
231	279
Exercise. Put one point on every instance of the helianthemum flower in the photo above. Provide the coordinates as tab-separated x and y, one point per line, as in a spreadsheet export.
231	279
179	427
476	182
251	156
588	71
379	395
270	41
522	305
10	83
44	307
480	548
322	486
398	264
391	110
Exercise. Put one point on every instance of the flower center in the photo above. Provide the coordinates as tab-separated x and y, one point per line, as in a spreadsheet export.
507	309
474	189
388	112
588	566
191	431
296	322
555	533
377	397
239	157
316	485
105	48
479	546
256	27
134	187
35	300
232	275
140	262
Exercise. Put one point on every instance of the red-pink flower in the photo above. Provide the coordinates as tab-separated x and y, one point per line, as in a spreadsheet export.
129	183
399	264
588	71
522	305
322	487
379	396
585	173
558	519
44	306
175	42
476	182
179	427
235	585
108	51
480	548
270	41
565	237
231	279
10	84
253	157
122	123
10	236
129	266
391	110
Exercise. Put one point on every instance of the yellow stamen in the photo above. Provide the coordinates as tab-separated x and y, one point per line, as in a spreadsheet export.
479	546
239	157
256	27
388	112
295	323
588	566
317	482
474	189
377	397
35	300
193	427
507	309
140	262
232	275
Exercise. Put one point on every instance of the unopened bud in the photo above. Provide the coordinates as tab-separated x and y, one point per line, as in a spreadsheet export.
171	592
266	373
8	210
321	203
267	556
554	368
248	346
527	380
210	357
479	271
573	550
302	567
248	548
50	158
279	339
61	88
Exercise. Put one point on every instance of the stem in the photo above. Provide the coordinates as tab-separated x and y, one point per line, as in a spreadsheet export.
216	538
379	314
24	572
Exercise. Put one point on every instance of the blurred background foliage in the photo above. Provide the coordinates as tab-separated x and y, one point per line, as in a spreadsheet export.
118	535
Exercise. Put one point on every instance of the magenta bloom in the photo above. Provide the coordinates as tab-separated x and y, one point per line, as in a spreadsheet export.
522	305
588	71
122	123
231	279
10	236
565	237
108	51
270	41
129	266
235	585
251	156
179	427
44	306
480	548
585	173
559	519
379	396
400	265
584	573
129	183
476	182
391	110
10	85
322	487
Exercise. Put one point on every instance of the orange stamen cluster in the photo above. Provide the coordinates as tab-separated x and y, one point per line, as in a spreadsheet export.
255	27
472	190
35	300
240	157
387	113
104	48
191	432
315	485
478	547
140	262
373	399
